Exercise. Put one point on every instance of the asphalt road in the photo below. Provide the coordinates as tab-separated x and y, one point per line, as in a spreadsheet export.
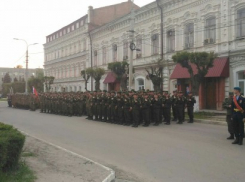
175	153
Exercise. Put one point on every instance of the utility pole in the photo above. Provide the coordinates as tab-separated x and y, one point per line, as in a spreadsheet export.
161	37
131	36
166	61
26	71
26	84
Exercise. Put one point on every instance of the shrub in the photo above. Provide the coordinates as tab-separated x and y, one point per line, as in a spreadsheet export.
5	127
3	152
11	144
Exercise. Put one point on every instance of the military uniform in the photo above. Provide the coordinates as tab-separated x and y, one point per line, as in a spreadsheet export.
167	104
190	101
227	105
238	114
135	105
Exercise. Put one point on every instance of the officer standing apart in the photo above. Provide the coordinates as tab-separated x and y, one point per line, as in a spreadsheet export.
227	105
190	106
238	108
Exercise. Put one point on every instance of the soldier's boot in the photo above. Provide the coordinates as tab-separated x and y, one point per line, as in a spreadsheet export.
231	137
240	141
236	141
180	122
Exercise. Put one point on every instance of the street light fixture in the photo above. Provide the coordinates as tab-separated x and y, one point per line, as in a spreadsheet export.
26	74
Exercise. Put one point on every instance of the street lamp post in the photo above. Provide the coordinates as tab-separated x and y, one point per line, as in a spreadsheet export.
26	73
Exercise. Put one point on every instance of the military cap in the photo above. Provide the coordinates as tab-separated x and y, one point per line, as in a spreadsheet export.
237	88
231	93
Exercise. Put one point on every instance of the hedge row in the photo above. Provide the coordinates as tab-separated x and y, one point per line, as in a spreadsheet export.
11	144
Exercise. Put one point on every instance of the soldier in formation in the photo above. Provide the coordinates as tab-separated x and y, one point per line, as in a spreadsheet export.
124	108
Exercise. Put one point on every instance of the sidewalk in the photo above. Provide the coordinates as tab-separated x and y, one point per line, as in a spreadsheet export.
53	164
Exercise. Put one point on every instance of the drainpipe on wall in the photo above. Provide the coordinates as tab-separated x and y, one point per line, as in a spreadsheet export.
91	57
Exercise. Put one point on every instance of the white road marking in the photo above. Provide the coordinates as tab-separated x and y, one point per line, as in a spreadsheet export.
109	178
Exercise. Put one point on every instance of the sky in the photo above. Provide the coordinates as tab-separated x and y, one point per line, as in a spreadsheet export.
33	20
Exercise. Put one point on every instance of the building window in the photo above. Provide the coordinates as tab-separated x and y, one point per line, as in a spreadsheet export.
77	25
95	58
68	30
140	84
72	27
114	52
82	23
241	23
210	31
125	50
84	45
104	55
60	33
139	47
64	31
57	35
47	39
189	36
241	80
171	40
155	44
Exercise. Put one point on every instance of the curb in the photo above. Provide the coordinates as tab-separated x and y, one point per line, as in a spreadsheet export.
223	123
109	178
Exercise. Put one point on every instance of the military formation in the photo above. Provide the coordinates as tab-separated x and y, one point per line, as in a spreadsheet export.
125	108
23	101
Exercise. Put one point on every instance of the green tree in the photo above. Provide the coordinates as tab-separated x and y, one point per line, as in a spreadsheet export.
96	74
203	62
120	69
15	79
35	82
86	77
6	78
39	73
154	73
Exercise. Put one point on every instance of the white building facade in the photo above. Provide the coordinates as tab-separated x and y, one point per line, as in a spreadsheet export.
188	25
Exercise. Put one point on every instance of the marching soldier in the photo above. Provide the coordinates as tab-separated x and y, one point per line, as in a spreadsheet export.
157	105
135	107
146	108
180	105
174	107
190	106
227	105
126	110
167	104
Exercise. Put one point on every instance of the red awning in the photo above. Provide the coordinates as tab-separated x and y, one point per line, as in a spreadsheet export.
110	78
220	69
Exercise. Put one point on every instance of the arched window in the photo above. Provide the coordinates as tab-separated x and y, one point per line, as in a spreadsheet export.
114	52
95	58
189	35
241	23
104	55
125	50
210	30
155	44
171	40
140	84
